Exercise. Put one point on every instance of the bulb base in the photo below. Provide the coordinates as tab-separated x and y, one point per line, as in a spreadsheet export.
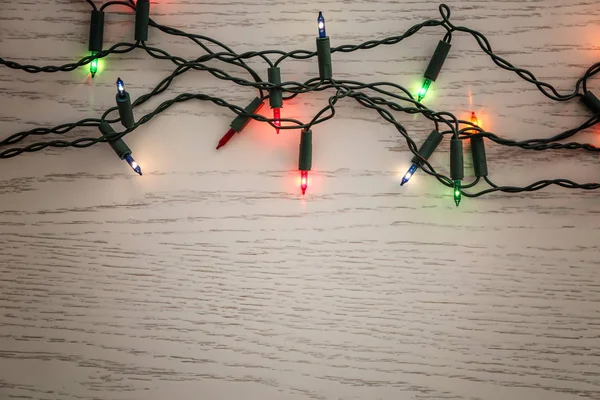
479	158
437	60
142	19
125	110
324	58
305	154
591	102
96	31
119	146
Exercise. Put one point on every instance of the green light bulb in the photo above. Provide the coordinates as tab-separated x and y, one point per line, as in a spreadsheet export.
424	89
457	194
94	65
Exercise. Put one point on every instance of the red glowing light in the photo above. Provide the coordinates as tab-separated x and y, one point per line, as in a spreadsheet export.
277	119
226	138
303	181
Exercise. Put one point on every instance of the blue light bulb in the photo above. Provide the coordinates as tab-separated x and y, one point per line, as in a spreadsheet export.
411	171
133	164
120	87
321	23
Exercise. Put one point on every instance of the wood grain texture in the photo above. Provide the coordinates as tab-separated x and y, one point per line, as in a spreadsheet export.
210	278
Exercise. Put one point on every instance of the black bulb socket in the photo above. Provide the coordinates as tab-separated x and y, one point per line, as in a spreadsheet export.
456	160
119	146
96	30
437	60
125	110
305	158
275	94
241	121
142	20
324	58
479	159
591	102
428	146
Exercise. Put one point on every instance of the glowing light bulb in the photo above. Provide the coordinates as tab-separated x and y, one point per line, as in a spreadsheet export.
424	89
226	138
474	119
457	194
134	165
277	118
94	65
120	88
411	171
240	122
321	23
303	181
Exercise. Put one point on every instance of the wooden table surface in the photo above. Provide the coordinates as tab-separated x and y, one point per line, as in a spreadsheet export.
210	277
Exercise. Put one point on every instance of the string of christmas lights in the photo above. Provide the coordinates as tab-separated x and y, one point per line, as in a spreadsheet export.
389	98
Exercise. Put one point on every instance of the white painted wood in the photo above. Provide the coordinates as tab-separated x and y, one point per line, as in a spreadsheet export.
211	278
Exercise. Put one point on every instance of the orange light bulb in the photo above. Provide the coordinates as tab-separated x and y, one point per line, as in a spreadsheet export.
474	119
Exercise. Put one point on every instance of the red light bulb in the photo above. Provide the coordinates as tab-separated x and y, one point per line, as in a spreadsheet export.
277	118
303	181
226	138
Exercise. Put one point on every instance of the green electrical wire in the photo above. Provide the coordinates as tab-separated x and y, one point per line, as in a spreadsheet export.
386	98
